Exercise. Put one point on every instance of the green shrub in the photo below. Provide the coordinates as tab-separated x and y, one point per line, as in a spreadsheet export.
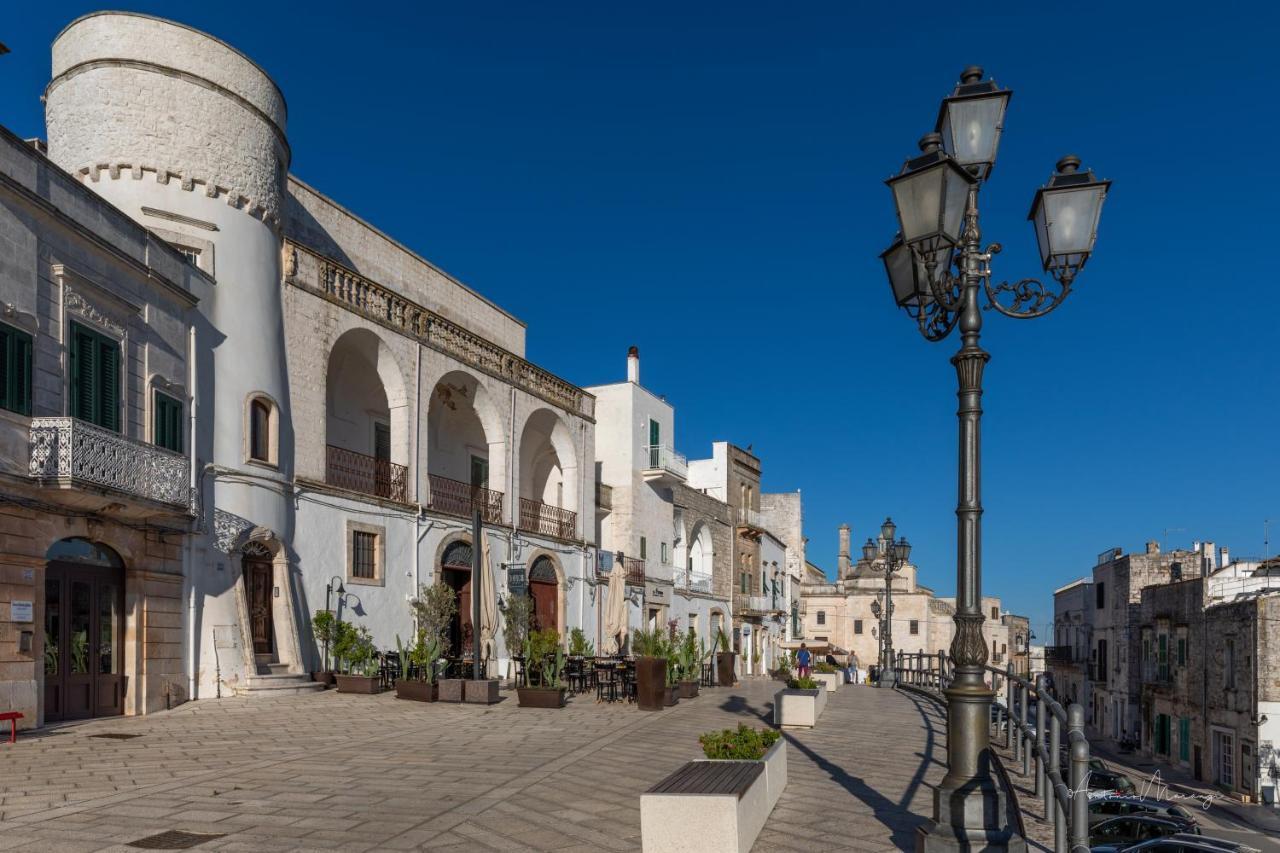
825	668
516	613
741	744
723	639
647	644
803	683
578	644
354	650
434	609
544	658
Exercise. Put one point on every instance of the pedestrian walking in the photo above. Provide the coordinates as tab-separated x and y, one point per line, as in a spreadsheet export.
804	659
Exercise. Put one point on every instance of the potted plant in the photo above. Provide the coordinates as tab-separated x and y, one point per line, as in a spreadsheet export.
690	663
651	669
579	646
671	673
434	609
324	626
516	611
725	661
419	665
544	659
800	704
827	675
357	660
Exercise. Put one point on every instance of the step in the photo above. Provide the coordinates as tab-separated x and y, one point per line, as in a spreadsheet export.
282	684
272	668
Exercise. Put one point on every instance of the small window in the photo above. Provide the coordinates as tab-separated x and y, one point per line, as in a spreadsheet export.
260	430
995	614
1100	594
1182	651
822	617
364	553
15	370
664	553
190	254
857	626
644	548
166	423
915	626
95	378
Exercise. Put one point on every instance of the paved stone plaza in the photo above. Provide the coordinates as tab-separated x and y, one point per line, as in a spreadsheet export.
332	771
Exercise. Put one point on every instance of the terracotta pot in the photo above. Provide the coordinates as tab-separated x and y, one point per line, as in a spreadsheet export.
725	662
325	678
688	689
670	696
651	683
541	697
357	683
418	691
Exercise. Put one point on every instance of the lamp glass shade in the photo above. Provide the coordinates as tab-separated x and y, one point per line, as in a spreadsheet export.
1066	222
930	203
971	128
909	276
869	551
887	530
875	608
903	550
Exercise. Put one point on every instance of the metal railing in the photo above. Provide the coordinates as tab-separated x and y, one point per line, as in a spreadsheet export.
360	472
454	497
659	457
1064	790
748	517
635	570
537	517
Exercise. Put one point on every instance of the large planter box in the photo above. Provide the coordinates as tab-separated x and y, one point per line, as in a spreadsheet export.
713	806
670	696
798	709
357	683
325	678
451	689
830	679
541	697
725	676
418	691
481	692
688	689
651	683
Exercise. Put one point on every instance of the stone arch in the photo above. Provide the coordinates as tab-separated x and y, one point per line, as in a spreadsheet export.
465	438
548	466
366	414
260	546
701	552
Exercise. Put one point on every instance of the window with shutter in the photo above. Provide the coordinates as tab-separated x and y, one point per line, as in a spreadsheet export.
15	370
260	431
166	427
95	378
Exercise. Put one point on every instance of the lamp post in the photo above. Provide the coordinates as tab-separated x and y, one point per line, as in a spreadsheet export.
895	556
329	590
937	269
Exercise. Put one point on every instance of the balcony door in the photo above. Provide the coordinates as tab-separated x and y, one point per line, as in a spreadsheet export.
655	440
84	631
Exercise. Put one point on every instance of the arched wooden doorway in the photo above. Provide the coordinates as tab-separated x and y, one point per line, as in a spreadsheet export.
455	570
83	631
544	589
259	587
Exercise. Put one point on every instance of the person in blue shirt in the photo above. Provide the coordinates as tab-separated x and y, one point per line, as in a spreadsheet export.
803	660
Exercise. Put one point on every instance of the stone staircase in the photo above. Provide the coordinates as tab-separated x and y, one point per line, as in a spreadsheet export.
274	679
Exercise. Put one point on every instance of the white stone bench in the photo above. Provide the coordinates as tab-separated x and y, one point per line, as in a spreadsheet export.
713	806
797	709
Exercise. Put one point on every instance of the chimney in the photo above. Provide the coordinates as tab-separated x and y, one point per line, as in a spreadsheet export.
633	365
1208	556
844	551
1226	556
1153	547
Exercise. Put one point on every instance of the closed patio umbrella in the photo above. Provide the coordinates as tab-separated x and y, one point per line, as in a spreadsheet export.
615	620
488	602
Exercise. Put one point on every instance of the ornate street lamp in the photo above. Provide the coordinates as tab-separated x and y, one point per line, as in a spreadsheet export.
937	268
894	555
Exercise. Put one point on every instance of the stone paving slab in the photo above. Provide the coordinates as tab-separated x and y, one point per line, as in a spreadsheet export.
334	771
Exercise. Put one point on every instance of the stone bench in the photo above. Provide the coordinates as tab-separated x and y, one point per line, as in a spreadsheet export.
712	806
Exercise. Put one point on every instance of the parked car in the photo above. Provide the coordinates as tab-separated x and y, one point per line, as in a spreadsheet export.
1187	843
1109	780
1120	833
1105	806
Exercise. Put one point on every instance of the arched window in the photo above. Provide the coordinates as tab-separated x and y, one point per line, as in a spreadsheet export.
261	431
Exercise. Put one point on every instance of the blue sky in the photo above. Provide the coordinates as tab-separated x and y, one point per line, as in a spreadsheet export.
706	181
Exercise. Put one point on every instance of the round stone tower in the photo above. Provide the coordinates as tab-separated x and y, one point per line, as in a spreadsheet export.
187	135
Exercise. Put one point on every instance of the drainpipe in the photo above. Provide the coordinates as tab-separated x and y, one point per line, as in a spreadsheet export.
188	561
417	481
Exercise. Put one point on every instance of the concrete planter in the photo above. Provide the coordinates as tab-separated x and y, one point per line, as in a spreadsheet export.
418	691
540	697
325	678
686	816
481	692
451	689
357	683
798	709
830	679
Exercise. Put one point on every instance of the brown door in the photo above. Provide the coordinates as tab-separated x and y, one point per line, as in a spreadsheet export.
257	578
84	635
544	605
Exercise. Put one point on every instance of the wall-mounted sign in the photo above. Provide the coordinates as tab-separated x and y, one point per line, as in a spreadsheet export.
657	593
21	611
516	580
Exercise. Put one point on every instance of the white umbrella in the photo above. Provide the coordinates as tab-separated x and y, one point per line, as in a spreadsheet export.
615	619
488	602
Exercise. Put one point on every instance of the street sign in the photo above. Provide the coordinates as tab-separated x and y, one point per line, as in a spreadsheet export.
516	580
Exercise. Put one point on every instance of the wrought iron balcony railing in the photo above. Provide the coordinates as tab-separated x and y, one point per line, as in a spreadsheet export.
659	457
1098	672
1060	654
80	452
748	517
635	570
369	475
454	497
537	517
692	581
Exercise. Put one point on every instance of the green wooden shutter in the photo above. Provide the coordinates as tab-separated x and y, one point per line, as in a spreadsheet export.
84	386
109	384
167	423
15	370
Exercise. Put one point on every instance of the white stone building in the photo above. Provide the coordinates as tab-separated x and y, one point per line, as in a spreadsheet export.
358	402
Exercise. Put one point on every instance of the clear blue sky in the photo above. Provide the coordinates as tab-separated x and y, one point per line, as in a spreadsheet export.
706	181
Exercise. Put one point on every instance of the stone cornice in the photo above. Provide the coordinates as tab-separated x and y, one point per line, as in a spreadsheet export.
164	175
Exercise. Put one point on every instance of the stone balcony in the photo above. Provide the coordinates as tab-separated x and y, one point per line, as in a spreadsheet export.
75	454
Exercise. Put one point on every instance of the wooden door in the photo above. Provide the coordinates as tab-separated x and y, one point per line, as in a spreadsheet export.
84	636
258	587
543	594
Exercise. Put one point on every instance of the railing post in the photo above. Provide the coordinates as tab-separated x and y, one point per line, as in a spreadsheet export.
1079	780
1022	728
1008	709
1042	781
1052	807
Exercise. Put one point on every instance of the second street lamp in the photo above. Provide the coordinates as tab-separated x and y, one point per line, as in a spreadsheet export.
894	556
938	270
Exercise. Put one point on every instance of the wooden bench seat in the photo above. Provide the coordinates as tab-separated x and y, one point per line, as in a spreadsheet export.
713	778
